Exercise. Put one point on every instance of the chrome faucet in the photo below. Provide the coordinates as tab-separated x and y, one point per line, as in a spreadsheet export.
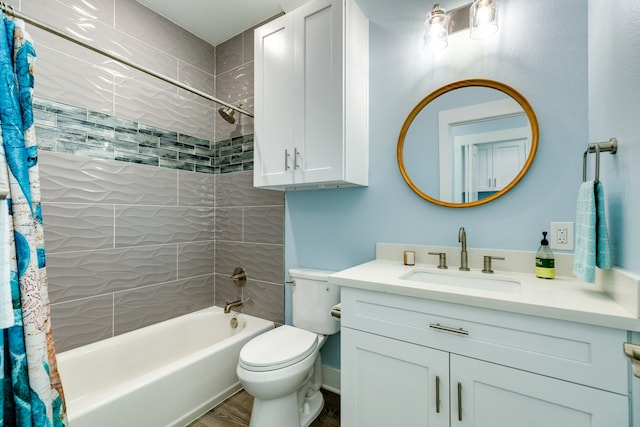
233	304
462	238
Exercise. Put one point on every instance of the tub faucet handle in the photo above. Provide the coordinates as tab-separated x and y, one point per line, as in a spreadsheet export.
239	276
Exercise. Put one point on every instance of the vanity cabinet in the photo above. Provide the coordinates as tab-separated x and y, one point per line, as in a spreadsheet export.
311	98
415	362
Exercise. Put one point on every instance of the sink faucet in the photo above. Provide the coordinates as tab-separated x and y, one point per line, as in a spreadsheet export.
232	304
462	238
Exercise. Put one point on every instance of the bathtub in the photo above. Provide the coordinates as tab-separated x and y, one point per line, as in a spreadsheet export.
167	374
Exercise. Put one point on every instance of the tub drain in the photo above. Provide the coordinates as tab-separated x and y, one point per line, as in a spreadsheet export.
234	322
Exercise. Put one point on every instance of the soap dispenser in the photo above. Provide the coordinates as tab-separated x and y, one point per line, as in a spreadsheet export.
545	263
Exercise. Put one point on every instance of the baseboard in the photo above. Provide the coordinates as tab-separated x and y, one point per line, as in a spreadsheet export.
331	379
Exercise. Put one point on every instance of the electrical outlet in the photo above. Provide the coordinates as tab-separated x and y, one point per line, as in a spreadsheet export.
561	236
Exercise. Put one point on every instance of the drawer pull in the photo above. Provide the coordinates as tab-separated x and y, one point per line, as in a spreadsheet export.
459	401
440	327
437	394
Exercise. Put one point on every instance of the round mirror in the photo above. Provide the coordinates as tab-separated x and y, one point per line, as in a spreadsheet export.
467	143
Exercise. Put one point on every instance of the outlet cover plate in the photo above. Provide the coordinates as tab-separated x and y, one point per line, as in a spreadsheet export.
561	237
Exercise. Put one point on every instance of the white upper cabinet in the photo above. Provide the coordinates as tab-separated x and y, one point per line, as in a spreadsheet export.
311	98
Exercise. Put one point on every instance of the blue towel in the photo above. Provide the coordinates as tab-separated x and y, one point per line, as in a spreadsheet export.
592	240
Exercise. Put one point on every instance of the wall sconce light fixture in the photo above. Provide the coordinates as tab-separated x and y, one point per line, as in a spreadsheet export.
483	19
480	17
436	29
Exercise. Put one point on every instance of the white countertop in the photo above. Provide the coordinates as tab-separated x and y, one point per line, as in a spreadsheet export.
564	298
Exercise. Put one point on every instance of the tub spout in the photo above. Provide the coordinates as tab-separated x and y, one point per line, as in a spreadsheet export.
233	304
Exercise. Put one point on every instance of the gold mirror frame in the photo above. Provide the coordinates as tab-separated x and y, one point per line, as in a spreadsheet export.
457	85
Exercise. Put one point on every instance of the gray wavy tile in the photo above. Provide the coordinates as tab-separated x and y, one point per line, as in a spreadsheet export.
196	77
237	190
229	224
264	224
149	225
92	82
196	189
105	36
165	35
195	259
247	45
152	304
81	322
264	300
262	262
79	11
229	54
156	103
74	275
236	84
75	179
77	227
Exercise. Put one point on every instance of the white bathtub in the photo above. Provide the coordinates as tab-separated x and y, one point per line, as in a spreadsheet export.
167	374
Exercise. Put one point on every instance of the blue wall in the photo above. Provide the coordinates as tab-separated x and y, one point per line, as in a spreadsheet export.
541	50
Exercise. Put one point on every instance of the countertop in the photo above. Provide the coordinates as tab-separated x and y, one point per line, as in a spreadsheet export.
564	298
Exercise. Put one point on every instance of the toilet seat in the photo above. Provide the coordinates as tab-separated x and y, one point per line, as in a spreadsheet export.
278	348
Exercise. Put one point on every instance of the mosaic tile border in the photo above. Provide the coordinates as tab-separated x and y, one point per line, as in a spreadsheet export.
68	129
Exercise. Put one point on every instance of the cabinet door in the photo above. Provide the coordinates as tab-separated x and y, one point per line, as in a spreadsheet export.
319	111
496	396
386	382
274	108
508	159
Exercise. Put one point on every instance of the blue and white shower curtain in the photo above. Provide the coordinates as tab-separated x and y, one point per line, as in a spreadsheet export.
31	389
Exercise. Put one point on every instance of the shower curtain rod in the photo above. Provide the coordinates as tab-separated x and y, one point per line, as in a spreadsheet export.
8	9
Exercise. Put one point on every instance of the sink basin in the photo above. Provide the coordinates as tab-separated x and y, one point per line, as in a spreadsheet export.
464	280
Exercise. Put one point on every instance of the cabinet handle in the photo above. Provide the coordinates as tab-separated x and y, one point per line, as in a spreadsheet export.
437	394
440	327
459	401
495	182
296	154
286	159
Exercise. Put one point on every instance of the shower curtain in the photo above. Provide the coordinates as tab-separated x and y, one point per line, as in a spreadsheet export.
31	390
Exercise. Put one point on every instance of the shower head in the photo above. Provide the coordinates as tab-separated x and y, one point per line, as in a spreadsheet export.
227	113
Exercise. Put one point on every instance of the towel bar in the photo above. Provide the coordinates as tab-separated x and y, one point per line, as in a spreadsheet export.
610	146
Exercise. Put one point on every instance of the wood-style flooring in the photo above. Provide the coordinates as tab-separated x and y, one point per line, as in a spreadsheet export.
236	412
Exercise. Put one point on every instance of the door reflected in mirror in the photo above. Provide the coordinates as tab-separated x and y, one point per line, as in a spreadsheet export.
467	143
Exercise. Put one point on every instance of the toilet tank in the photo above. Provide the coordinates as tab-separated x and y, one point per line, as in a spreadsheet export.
312	297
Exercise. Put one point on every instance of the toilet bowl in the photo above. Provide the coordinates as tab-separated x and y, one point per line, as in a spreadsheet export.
281	368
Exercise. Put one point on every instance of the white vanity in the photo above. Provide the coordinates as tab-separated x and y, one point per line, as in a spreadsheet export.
512	351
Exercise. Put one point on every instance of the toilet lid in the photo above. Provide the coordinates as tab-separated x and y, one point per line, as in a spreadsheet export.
278	348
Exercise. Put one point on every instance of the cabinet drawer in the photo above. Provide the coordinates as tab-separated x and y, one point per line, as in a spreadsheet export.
584	354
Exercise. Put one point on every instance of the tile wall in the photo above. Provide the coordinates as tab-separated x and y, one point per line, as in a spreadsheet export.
130	245
152	226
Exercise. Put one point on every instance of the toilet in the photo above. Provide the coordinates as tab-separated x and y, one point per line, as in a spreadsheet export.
281	368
